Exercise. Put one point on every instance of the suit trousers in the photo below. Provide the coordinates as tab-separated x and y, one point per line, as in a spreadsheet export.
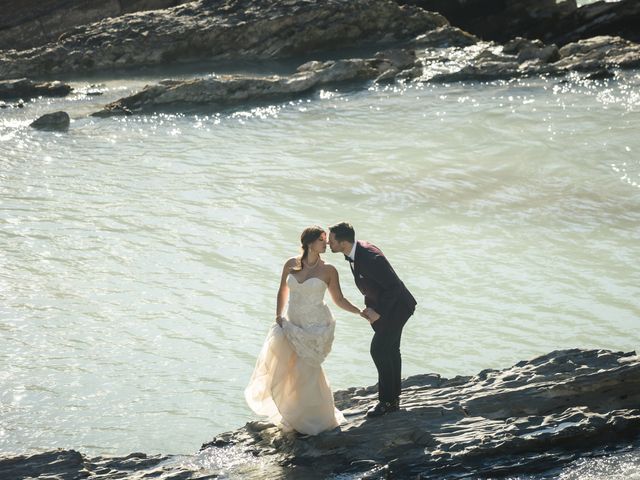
385	351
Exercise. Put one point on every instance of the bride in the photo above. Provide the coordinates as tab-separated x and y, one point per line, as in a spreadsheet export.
288	384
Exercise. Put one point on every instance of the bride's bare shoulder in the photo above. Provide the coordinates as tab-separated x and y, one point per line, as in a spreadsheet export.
330	268
291	262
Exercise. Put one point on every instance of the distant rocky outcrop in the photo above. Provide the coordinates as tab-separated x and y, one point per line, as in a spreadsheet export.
31	23
232	29
24	88
553	22
535	416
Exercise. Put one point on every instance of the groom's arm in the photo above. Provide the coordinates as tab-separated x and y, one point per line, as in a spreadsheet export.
378	269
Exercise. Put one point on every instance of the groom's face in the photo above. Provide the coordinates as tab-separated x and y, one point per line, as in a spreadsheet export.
334	245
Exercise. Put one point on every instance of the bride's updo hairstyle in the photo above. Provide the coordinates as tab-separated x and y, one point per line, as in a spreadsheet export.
309	235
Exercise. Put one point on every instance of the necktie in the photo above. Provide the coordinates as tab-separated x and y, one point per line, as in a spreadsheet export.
348	259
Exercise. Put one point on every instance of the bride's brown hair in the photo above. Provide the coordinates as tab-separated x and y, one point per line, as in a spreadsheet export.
309	235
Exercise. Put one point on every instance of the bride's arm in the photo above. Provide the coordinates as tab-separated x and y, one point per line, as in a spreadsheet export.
283	291
336	292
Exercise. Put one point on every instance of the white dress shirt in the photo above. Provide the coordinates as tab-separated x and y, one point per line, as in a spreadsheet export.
352	254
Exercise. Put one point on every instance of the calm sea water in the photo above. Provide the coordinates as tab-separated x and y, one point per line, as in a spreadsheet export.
140	256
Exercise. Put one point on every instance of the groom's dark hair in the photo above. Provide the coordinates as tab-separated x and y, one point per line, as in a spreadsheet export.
343	231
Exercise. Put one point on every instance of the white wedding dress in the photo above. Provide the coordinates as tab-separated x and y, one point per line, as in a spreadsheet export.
288	384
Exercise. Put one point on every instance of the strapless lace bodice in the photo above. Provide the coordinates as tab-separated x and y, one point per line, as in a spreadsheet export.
306	301
309	325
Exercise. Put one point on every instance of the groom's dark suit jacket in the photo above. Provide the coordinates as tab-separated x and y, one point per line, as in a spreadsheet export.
382	289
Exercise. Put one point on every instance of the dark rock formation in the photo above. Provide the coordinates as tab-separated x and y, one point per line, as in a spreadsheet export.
25	89
58	121
232	29
532	417
560	23
225	91
30	23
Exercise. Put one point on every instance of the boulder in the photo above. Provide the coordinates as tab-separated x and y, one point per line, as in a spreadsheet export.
58	121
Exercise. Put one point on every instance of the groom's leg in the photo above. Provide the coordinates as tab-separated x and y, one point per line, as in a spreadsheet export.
395	337
395	359
385	351
377	351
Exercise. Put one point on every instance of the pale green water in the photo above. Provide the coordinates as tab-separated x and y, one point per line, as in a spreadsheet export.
140	256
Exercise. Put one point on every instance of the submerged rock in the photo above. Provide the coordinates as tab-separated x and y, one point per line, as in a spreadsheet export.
58	121
231	29
533	417
25	88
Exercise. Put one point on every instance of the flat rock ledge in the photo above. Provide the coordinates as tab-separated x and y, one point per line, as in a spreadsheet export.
226	91
220	29
533	417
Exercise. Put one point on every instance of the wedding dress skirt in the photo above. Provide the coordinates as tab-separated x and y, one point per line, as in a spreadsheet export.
288	384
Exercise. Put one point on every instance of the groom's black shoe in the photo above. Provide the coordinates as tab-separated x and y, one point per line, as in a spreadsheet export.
382	408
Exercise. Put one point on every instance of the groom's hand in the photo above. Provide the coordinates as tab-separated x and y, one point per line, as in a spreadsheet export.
371	315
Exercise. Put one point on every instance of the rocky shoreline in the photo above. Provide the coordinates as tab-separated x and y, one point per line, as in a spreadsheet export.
483	61
533	417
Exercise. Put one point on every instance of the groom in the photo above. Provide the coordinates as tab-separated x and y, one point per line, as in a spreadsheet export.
389	306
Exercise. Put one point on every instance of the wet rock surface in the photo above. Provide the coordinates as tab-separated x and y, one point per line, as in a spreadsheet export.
208	29
535	416
524	58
